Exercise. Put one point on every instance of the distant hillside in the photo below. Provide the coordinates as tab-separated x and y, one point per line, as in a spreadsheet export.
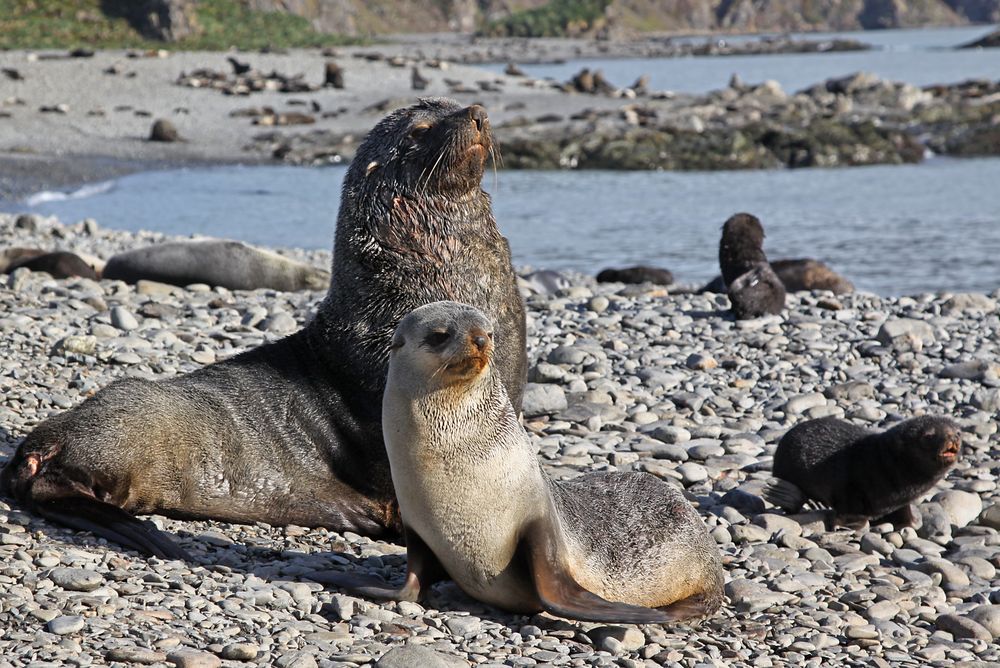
372	17
220	24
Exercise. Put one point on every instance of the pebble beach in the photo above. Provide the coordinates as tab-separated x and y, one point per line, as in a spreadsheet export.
621	377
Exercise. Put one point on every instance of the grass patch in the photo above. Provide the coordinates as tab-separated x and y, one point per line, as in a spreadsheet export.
67	24
558	18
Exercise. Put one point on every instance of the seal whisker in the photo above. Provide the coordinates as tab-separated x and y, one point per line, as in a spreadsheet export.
434	167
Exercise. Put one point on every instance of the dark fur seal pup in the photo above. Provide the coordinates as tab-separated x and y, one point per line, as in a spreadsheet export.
861	474
754	289
477	507
291	432
230	264
637	274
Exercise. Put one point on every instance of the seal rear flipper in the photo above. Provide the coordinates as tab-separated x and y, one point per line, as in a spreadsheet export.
560	594
112	523
422	570
784	494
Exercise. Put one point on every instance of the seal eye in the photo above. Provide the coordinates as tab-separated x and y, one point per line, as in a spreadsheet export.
419	131
435	339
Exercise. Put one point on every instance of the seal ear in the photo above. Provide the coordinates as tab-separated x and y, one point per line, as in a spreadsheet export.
398	341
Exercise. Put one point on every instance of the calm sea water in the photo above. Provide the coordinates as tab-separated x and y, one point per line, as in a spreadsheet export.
919	57
891	229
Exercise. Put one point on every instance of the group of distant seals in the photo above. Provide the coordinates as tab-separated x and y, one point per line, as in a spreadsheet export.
216	262
290	432
476	505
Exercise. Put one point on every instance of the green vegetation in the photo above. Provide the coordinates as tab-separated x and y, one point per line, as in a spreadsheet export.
99	24
557	18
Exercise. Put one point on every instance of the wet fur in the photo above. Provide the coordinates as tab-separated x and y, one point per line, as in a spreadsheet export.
862	473
291	431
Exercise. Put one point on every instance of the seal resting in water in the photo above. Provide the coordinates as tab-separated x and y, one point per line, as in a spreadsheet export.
754	289
230	264
476	505
860	474
291	432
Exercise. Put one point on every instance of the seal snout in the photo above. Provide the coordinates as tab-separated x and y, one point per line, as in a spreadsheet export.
479	117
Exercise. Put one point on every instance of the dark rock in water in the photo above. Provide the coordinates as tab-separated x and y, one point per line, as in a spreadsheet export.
637	274
333	75
165	131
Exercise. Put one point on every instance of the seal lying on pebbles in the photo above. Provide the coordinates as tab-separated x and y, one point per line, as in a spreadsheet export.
798	275
60	264
862	474
291	432
637	274
476	505
230	264
754	289
809	274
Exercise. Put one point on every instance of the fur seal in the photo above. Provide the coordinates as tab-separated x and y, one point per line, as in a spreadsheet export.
797	275
291	432
230	264
637	274
60	264
754	289
862	474
476	505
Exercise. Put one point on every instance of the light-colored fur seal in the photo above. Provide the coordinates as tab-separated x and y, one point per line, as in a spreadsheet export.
230	264
477	506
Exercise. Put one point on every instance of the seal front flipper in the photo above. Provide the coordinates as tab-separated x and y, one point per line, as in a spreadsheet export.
422	570
112	523
784	495
560	594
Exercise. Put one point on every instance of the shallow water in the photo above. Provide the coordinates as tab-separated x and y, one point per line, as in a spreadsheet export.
918	57
891	229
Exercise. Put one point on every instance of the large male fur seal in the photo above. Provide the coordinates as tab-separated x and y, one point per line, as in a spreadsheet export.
230	264
290	432
862	474
754	289
476	505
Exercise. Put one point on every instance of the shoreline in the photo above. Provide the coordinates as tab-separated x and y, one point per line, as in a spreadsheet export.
103	107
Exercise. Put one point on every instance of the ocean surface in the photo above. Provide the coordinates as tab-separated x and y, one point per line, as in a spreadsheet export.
890	229
918	57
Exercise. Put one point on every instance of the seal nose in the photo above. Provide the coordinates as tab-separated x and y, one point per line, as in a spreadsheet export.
479	338
478	115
